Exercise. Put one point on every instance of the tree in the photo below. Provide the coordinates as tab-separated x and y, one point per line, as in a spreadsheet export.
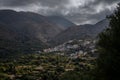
108	62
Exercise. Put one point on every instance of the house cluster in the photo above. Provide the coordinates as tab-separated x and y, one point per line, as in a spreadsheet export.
75	48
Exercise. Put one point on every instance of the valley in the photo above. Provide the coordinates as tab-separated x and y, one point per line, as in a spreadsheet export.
59	39
46	66
36	47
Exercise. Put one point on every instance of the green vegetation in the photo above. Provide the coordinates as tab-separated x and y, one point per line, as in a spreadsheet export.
108	63
55	66
45	66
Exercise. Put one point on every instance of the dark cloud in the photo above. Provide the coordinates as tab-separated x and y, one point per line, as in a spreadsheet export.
89	18
106	1
78	11
15	3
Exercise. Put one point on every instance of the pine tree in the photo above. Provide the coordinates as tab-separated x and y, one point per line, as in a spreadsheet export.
108	62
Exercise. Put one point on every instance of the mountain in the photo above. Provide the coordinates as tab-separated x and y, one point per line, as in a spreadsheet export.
13	42
25	31
86	31
31	24
61	21
100	26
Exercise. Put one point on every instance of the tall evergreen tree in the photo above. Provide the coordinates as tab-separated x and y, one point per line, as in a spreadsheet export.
108	63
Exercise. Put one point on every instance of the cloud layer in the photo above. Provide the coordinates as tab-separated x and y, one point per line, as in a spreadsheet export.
78	11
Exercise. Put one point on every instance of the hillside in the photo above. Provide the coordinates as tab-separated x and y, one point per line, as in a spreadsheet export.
29	23
24	31
13	42
27	31
86	31
61	21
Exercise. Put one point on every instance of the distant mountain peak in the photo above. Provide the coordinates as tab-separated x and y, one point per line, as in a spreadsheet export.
61	21
25	31
87	31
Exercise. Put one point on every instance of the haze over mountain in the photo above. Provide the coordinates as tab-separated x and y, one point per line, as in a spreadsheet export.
25	30
86	31
61	21
30	24
77	11
59	39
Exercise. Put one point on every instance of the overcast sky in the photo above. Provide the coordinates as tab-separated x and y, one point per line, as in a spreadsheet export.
78	11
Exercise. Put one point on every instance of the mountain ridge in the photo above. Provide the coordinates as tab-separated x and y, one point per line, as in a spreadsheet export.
34	32
61	21
87	31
